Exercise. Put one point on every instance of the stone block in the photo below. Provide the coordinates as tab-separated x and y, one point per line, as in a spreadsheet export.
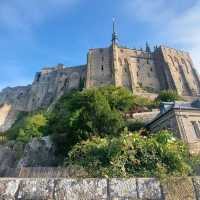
178	189
81	189
149	188
196	182
36	189
122	188
8	188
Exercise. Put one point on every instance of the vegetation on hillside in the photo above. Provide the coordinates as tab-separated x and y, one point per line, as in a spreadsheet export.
90	130
132	154
168	96
28	126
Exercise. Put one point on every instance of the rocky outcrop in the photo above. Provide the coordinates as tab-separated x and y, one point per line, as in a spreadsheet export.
47	87
39	152
7	116
14	156
99	189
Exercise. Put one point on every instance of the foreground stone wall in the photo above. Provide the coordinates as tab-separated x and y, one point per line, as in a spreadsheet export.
100	189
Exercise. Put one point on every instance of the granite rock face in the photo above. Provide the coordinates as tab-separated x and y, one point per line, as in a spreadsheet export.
8	159
47	87
38	153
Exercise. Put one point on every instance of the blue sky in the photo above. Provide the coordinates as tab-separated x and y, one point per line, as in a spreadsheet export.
38	33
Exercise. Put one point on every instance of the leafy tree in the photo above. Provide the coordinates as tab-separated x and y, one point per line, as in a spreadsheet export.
132	154
80	115
168	96
27	127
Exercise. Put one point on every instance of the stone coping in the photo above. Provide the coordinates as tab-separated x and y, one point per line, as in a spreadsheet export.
183	188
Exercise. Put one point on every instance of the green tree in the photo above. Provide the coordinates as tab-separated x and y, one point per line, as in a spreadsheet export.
132	154
28	127
93	112
168	96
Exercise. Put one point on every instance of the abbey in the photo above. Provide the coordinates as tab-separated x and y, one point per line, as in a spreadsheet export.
141	71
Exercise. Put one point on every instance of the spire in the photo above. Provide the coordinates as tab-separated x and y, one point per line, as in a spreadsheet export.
114	34
147	47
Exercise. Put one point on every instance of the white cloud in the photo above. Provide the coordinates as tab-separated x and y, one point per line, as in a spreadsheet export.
176	23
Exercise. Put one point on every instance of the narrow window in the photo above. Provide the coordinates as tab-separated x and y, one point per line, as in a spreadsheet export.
151	69
196	129
101	67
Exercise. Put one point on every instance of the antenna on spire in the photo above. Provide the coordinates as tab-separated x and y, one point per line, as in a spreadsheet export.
114	34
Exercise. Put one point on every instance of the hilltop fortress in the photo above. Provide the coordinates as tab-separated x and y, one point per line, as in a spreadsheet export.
141	71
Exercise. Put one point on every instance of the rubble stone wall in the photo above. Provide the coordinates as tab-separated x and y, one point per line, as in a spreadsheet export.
100	189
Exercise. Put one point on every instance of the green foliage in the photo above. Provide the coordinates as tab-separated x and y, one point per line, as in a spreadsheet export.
140	101
119	98
135	125
132	155
81	115
27	127
168	96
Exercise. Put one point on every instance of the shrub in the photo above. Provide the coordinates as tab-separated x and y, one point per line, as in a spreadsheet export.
135	125
132	155
168	96
81	115
27	127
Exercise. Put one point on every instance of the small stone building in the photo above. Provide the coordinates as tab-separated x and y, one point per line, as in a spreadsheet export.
183	118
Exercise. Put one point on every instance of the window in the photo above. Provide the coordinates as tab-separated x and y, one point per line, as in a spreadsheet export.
151	69
101	50
196	129
101	67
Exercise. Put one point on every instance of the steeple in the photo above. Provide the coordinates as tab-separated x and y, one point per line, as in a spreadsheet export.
148	49
114	34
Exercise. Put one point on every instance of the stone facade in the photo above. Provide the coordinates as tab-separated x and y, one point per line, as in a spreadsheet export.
187	188
143	71
183	119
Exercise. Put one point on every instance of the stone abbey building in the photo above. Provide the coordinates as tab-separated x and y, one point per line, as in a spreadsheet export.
141	71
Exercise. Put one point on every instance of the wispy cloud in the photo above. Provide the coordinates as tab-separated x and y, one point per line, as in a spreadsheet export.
23	14
176	22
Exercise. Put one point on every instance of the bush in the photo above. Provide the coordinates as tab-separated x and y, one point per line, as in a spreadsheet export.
27	127
93	112
168	96
135	125
132	155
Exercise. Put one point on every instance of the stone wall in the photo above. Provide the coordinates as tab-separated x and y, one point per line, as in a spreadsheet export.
100	189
